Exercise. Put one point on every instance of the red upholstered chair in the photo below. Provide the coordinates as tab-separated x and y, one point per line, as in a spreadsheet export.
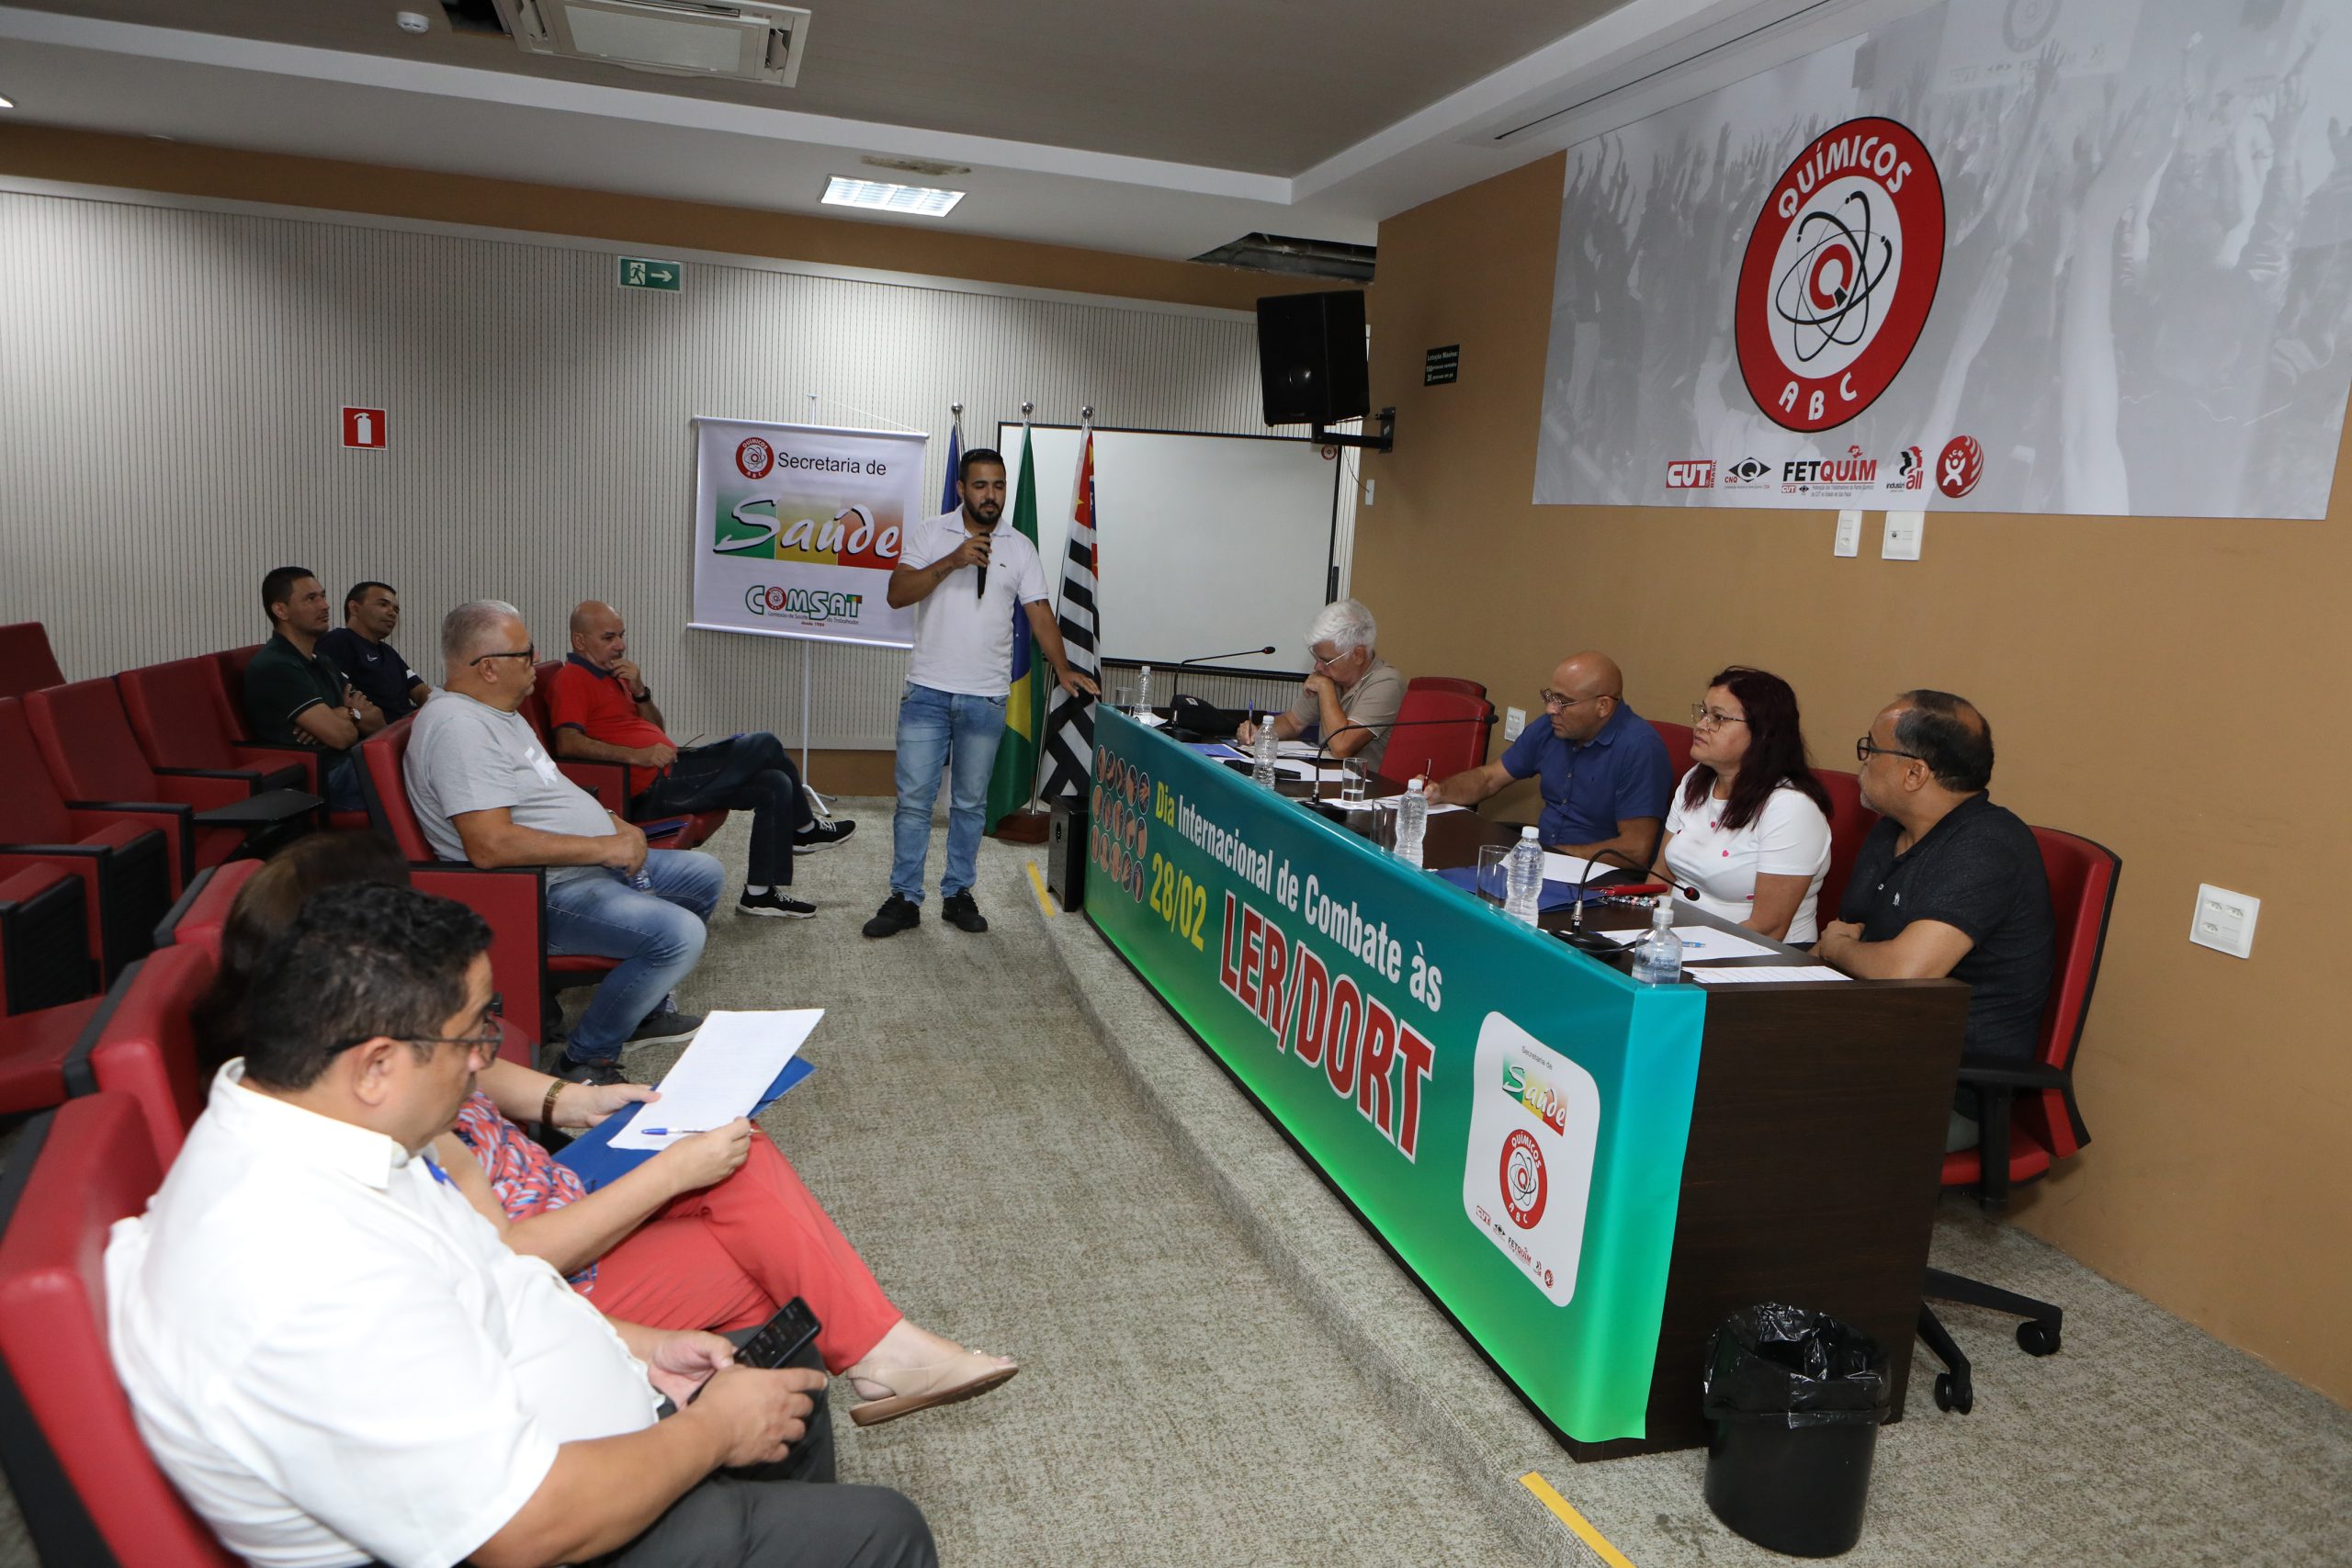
1450	736
229	670
142	1044
1678	747
1850	823
513	900
50	983
2029	1120
91	1494
86	741
26	662
203	909
1454	684
613	785
121	857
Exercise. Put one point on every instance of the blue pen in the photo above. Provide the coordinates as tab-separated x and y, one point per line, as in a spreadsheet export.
672	1132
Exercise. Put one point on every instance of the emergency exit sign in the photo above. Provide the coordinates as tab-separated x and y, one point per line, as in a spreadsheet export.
639	272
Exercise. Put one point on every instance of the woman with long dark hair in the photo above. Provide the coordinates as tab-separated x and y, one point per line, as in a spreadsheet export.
1749	826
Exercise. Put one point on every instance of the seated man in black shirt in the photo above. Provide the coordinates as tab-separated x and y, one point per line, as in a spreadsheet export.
294	697
1948	883
361	649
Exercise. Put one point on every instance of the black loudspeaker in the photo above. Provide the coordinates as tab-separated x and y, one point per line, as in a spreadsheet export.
1310	358
1066	855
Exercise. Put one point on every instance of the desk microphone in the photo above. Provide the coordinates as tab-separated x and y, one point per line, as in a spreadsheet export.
1213	658
1576	936
1180	716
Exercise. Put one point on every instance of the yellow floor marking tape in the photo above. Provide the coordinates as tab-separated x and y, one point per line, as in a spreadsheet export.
1045	900
1574	1520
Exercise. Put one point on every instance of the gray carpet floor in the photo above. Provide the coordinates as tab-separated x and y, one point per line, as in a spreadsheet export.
1221	1366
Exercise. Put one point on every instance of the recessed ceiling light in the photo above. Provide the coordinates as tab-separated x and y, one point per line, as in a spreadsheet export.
921	200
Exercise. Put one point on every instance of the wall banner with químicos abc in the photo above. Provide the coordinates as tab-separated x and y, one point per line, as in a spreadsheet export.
2073	256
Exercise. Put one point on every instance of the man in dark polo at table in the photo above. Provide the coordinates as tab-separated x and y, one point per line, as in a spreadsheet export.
1606	779
294	697
1947	884
361	649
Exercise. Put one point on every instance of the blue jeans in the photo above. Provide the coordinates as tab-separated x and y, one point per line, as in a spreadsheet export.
936	728
658	936
340	788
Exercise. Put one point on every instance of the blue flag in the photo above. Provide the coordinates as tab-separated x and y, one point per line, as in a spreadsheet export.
951	500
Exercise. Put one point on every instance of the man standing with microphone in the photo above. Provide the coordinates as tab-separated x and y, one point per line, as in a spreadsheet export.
964	576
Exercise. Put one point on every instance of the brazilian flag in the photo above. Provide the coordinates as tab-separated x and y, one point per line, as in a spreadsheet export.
1015	780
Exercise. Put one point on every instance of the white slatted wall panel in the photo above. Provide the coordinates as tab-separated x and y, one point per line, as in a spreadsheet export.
169	396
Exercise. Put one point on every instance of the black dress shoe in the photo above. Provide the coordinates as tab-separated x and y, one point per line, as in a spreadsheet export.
958	910
897	913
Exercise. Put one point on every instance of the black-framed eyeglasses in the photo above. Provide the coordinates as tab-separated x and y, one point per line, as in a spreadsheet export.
1712	718
1864	751
531	652
493	1012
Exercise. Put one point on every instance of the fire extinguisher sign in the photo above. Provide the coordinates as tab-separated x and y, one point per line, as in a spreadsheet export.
364	427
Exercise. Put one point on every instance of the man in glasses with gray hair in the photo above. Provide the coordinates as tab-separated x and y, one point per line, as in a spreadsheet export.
1349	684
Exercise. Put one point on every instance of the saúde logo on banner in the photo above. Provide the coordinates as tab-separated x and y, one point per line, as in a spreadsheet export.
1840	271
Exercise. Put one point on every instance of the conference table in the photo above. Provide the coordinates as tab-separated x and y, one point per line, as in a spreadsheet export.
1586	1173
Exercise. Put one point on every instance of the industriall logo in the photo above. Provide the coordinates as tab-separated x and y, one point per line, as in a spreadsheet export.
1840	271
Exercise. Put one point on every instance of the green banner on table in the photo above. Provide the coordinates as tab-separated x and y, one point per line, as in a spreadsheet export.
1508	1114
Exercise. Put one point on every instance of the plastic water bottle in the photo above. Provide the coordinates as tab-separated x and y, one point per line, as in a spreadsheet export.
1523	872
1261	760
638	880
1143	692
1412	822
1657	957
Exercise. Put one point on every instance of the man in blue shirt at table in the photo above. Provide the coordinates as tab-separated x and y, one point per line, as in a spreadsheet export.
1606	780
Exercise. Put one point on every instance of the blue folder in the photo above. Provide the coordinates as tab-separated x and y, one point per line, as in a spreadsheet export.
1554	896
592	1157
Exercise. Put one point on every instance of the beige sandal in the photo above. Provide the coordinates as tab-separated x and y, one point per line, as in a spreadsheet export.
920	1388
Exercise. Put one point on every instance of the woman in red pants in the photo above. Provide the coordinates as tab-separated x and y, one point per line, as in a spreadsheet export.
717	1231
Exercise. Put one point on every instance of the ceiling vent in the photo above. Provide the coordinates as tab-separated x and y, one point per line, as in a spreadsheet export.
727	41
1296	257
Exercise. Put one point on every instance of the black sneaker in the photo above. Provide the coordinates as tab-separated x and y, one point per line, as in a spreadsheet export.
823	835
774	905
599	1073
897	914
958	910
664	1026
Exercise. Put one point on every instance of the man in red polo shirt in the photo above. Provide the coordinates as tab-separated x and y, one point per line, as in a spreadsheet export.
600	710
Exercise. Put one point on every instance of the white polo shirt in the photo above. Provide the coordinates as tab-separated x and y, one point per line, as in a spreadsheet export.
334	1358
963	632
1789	838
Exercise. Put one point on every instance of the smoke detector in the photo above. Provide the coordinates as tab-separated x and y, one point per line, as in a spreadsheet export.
727	40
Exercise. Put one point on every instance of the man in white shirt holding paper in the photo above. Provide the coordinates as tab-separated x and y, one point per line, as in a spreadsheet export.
335	1359
965	576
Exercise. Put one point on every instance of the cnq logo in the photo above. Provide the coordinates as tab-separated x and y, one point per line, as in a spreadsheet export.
801	604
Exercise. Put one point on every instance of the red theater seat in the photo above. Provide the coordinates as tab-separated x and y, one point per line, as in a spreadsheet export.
90	1494
2029	1119
45	938
1850	823
1449	734
122	858
142	1045
203	909
86	741
1678	746
1453	683
26	662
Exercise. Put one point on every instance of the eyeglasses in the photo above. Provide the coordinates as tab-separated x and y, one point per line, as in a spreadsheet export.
1706	718
1332	663
1560	700
493	1012
528	652
1864	751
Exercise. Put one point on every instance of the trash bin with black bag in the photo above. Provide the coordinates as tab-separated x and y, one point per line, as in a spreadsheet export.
1796	1399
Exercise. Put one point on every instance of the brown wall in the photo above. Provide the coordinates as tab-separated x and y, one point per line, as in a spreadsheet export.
140	163
2163	686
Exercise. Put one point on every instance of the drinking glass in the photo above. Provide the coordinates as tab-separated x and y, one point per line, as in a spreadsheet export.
1124	699
1494	883
1352	788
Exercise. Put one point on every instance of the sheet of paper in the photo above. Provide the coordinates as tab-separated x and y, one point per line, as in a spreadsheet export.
1764	974
1703	944
1147	720
1306	771
1305	749
734	1057
1572	869
1391	802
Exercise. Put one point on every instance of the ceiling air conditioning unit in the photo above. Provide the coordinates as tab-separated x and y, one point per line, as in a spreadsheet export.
727	40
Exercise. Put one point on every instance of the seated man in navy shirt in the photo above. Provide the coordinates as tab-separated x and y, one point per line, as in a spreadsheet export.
1947	884
1607	781
361	648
